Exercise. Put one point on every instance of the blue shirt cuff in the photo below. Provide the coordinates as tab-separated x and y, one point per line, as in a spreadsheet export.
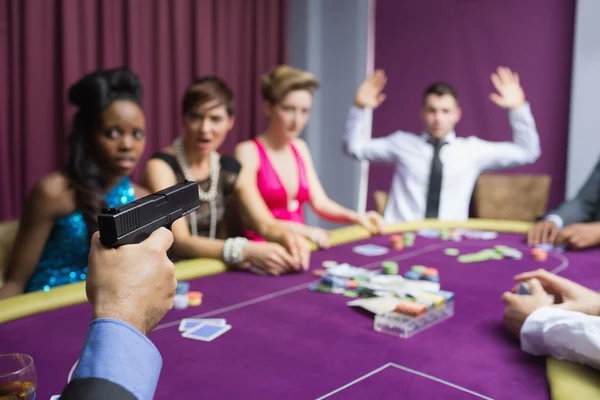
117	352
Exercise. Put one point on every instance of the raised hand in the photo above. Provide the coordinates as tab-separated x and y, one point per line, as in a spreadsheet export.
369	93
510	94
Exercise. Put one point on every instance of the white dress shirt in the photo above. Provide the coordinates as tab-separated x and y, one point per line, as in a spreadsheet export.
463	159
562	334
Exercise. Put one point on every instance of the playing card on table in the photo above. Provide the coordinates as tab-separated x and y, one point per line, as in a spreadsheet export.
206	332
189	323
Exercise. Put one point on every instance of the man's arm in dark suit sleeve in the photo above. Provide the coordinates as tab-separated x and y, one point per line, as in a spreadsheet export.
584	206
116	358
95	389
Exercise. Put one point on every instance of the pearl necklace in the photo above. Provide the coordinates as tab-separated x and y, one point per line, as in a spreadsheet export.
210	195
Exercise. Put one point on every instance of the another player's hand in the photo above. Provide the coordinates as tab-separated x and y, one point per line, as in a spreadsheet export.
373	221
510	94
133	283
580	236
320	237
299	248
272	258
369	93
567	294
542	232
518	307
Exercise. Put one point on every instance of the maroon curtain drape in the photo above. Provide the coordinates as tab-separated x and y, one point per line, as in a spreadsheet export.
46	45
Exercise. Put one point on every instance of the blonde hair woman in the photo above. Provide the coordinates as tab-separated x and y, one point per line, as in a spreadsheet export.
278	164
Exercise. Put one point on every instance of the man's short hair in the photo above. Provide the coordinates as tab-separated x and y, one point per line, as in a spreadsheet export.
440	89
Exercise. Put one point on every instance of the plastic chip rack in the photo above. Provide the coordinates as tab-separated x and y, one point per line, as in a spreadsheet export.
405	326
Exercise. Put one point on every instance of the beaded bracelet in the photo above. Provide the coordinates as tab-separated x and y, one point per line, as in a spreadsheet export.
232	251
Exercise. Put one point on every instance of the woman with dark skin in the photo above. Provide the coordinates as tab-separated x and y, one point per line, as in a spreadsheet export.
105	144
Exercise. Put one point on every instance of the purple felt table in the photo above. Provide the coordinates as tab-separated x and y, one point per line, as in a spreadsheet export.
290	343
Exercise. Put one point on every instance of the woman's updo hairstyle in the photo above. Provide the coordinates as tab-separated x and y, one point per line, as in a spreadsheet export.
284	79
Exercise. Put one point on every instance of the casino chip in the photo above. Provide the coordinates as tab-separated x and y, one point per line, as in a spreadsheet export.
329	264
451	252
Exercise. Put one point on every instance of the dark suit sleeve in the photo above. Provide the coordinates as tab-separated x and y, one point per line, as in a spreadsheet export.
95	389
585	206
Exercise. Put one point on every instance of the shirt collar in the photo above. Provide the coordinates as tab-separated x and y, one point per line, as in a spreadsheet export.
449	138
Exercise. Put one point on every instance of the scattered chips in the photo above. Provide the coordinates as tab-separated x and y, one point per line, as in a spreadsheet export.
319	272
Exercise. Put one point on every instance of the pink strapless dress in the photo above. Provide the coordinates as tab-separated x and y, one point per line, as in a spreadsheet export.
283	206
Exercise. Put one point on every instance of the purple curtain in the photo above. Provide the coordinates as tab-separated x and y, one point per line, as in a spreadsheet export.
463	41
46	45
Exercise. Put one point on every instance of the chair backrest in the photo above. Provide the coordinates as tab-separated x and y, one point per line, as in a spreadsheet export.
380	199
8	234
513	197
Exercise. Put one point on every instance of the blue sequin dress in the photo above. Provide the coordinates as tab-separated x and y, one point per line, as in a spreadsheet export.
65	256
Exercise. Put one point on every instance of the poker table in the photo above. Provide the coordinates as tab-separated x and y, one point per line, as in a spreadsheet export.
288	342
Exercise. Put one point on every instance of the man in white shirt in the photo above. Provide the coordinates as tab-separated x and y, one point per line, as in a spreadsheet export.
435	172
575	223
567	330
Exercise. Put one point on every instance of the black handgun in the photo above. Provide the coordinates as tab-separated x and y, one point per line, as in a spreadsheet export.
134	222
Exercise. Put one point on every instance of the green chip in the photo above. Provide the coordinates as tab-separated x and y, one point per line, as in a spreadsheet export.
390	267
350	293
323	288
418	268
451	252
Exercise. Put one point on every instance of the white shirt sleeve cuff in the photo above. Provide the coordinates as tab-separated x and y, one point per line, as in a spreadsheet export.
557	220
532	332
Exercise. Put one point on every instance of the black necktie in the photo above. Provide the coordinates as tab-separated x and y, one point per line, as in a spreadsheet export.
435	182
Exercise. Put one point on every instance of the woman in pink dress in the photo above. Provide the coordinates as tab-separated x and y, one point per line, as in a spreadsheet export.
278	163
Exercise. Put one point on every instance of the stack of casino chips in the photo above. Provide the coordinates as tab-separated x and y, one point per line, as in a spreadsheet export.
333	284
390	267
399	242
420	272
539	254
409	239
181	299
194	298
422	302
445	234
185	298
